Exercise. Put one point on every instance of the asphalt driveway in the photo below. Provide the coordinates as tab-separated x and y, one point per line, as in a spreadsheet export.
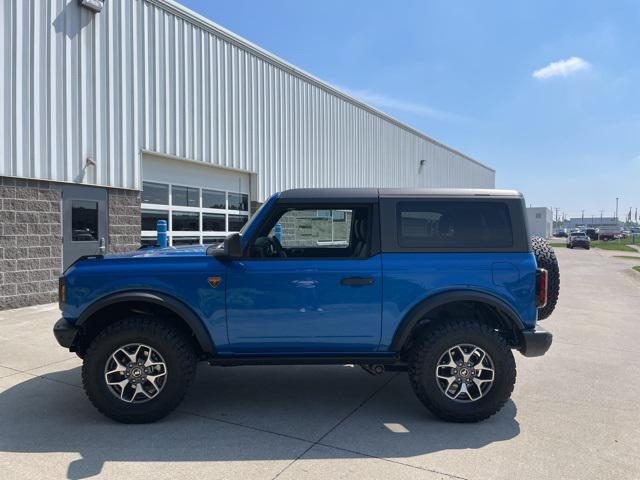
574	412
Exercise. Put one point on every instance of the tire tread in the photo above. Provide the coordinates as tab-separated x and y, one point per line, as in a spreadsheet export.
417	364
546	258
177	341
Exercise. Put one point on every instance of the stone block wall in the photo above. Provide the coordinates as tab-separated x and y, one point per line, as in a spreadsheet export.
31	237
30	242
124	220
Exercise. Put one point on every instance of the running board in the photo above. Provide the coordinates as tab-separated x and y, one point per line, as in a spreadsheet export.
264	360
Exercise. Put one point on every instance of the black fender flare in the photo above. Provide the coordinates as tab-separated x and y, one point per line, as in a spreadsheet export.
170	303
419	311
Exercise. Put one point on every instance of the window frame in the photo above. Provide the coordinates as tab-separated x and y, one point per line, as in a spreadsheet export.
200	233
281	208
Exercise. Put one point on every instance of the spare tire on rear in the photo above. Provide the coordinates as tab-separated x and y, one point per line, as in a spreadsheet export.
546	258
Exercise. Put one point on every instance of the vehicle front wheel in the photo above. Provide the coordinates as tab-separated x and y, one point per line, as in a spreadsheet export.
138	369
462	371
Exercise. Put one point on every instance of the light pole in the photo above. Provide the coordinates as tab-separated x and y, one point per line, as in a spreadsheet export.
617	209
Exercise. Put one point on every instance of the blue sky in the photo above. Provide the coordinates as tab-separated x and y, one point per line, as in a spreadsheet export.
545	92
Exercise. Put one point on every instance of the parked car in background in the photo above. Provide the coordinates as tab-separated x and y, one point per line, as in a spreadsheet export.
592	233
562	232
578	239
610	233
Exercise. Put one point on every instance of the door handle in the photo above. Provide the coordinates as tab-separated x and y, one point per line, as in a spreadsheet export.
356	281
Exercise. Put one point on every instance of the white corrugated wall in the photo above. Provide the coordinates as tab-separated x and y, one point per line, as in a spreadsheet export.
150	75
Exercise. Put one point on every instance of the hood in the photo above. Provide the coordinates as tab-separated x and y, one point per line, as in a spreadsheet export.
182	251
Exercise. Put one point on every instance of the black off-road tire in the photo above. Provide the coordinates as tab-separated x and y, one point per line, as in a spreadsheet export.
429	348
173	346
546	258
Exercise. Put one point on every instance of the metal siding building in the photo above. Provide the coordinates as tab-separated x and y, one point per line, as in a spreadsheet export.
107	99
149	75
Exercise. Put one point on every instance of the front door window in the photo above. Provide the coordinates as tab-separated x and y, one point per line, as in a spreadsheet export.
316	233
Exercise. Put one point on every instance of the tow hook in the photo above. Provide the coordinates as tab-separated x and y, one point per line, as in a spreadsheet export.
373	369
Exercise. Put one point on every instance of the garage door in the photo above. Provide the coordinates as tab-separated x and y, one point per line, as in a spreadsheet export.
201	204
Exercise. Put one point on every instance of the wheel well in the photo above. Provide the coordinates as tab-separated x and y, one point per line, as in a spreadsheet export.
98	320
463	309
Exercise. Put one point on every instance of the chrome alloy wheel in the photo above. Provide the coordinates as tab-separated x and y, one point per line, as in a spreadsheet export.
465	373
135	373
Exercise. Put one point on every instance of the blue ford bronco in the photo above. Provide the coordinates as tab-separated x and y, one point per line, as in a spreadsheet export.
441	283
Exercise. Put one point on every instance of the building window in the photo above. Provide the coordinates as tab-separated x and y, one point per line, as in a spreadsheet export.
156	193
214	222
186	240
150	218
236	222
185	196
238	201
538	215
214	199
185	222
194	215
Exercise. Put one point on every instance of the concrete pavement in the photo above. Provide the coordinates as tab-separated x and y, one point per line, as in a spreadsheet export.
573	414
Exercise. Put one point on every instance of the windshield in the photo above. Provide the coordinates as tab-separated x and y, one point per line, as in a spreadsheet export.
251	220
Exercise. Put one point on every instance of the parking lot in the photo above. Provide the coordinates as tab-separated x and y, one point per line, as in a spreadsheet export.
574	412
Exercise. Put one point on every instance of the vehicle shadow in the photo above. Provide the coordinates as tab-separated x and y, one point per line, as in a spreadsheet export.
241	414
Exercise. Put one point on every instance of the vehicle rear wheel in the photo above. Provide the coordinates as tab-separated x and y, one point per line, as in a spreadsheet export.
463	371
138	369
546	258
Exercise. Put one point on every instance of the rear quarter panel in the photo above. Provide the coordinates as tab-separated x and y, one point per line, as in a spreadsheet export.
409	278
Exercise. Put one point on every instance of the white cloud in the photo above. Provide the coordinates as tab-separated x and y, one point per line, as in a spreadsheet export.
383	101
562	68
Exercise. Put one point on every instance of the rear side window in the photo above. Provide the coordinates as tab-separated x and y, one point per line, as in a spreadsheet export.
454	224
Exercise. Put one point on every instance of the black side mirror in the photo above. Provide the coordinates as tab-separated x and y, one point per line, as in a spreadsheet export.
232	246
